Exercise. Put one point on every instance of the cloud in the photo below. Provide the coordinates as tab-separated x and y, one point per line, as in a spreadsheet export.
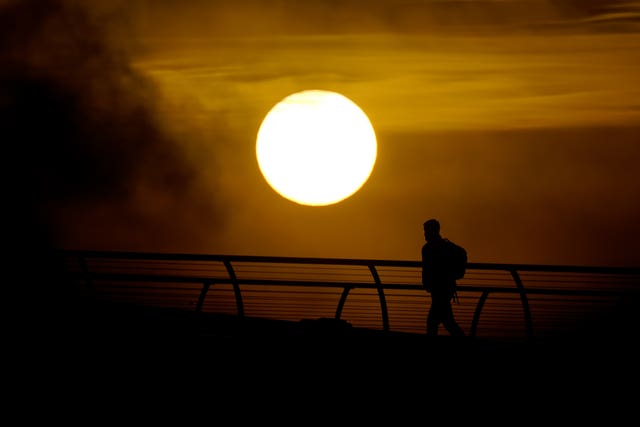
82	140
173	18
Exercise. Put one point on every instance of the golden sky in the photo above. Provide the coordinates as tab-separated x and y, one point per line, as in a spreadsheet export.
515	123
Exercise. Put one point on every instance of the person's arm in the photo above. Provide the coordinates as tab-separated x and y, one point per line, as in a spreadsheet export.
425	270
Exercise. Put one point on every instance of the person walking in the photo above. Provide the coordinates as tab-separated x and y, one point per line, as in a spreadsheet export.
438	280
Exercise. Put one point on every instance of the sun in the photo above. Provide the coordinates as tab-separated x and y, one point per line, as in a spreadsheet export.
316	147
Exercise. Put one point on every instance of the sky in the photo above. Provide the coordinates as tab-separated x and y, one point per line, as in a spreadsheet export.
131	125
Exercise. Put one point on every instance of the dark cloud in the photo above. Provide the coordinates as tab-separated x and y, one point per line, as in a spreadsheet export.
80	129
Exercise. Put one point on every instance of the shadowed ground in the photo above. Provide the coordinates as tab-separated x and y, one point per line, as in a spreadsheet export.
215	335
133	351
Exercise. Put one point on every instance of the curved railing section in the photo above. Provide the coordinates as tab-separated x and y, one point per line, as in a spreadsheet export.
510	301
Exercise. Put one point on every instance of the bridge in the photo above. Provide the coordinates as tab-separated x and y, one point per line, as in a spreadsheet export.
497	302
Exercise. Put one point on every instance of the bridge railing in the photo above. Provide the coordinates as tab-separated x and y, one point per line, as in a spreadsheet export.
499	301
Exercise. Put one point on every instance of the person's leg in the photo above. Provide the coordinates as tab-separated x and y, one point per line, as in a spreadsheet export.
432	321
449	321
436	312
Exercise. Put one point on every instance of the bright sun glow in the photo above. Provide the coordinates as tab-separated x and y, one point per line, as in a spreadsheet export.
316	147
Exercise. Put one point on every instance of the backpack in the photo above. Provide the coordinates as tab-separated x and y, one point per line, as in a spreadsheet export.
457	263
457	259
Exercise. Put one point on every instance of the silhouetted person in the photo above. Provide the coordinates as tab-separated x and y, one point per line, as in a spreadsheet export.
438	280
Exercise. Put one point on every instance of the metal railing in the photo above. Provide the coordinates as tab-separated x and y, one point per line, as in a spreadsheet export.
498	301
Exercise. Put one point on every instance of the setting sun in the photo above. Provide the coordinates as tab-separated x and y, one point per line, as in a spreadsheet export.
316	147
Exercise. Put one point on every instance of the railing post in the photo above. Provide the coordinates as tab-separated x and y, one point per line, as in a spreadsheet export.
383	301
343	299
528	322
203	294
236	288
476	314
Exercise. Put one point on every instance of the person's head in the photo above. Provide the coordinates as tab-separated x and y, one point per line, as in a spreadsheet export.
431	229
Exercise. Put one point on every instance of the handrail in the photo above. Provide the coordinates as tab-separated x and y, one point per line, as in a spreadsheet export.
340	261
243	271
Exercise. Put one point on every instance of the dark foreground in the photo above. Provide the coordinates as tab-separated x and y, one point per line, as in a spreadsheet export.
102	352
101	328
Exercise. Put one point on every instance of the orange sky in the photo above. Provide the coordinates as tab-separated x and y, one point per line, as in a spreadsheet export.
516	123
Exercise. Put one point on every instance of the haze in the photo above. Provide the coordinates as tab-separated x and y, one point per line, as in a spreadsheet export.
132	125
